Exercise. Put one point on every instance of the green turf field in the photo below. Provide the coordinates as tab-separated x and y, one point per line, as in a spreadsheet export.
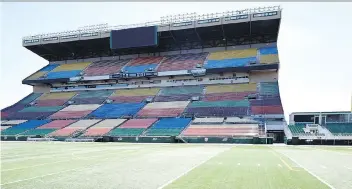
53	165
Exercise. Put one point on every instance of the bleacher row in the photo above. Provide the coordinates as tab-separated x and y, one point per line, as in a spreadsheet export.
230	58
215	101
132	127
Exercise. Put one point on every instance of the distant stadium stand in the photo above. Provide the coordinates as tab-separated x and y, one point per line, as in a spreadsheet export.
115	85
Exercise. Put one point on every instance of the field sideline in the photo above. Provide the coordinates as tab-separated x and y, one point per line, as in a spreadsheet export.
153	166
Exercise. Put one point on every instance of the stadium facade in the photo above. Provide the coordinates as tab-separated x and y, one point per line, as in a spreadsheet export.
320	128
185	78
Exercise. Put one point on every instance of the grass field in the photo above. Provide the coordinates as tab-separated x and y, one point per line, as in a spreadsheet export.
151	166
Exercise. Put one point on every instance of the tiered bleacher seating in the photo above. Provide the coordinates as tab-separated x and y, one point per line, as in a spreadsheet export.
275	109
212	129
117	110
22	127
75	111
133	95
341	129
269	89
168	127
42	72
91	97
102	127
268	55
229	92
163	109
48	128
182	93
74	128
104	67
54	99
36	112
7	112
5	124
140	65
231	58
297	129
218	108
67	70
182	62
133	127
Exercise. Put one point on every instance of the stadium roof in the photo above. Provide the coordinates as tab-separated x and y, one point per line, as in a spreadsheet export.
249	26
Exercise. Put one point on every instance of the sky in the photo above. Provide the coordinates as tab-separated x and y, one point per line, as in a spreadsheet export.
314	44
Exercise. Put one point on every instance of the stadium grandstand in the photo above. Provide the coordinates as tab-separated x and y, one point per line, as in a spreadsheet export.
195	78
334	128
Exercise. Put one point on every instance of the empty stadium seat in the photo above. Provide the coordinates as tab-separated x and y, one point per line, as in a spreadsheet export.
105	67
218	108
182	93
168	127
75	111
102	127
182	62
39	74
91	97
133	95
268	55
36	112
344	129
229	92
132	127
269	89
10	112
67	70
74	128
54	99
163	109
140	65
248	130
117	110
22	127
231	58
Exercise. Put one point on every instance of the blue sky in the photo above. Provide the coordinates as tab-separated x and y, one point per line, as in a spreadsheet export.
314	44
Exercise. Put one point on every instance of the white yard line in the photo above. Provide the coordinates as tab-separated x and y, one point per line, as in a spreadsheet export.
321	180
279	165
190	169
